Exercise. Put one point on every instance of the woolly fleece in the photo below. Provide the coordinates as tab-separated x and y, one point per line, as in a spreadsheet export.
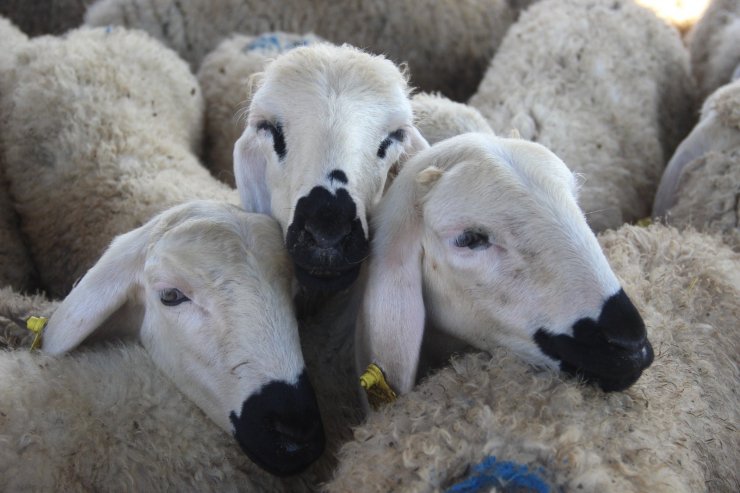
122	121
439	118
713	44
446	44
674	431
16	268
106	419
604	85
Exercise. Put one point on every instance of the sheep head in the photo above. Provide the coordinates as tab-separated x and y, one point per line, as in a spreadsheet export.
207	288
325	126
481	238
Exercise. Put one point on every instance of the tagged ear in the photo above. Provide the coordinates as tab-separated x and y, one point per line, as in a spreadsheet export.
390	326
250	164
101	292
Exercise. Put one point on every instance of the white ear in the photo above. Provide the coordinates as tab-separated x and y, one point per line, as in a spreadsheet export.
390	326
414	144
101	292
250	165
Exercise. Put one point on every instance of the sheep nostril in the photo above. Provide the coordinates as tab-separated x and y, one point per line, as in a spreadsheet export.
330	237
296	436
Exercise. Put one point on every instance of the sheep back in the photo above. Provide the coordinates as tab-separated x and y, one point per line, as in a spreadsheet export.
16	268
447	44
108	419
713	43
604	85
439	118
101	129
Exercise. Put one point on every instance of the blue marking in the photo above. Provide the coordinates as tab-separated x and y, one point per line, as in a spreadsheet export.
272	42
507	476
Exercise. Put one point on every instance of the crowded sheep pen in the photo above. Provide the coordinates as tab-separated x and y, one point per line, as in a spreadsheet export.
332	246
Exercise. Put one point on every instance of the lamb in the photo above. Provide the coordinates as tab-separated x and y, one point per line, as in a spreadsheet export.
206	287
16	268
611	93
121	127
224	77
713	43
701	186
325	126
675	430
446	44
479	239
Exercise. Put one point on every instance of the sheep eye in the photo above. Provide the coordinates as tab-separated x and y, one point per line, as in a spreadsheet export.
172	297
278	139
475	240
397	136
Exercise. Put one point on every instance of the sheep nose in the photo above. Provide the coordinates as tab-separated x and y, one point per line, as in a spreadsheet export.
326	231
621	325
280	427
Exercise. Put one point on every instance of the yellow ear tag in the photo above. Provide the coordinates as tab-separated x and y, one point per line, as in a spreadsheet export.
36	325
377	389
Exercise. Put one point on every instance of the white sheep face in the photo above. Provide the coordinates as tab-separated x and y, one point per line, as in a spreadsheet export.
324	129
494	250
214	286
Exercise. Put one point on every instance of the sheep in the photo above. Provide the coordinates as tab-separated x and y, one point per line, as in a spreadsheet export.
701	185
224	78
325	126
479	240
16	268
106	419
713	45
206	287
446	44
122	122
675	430
606	86
439	118
45	16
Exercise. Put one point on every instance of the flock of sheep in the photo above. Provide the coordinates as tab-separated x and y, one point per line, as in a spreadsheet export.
233	215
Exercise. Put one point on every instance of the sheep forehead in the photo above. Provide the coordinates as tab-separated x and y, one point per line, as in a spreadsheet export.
326	80
492	178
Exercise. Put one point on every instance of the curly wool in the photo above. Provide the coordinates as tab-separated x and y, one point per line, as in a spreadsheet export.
447	44
121	127
16	268
673	431
606	86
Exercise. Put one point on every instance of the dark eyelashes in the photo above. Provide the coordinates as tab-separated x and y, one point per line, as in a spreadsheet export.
397	135
278	139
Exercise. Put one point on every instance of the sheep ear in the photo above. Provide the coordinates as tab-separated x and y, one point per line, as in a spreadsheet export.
415	143
390	326
250	164
104	289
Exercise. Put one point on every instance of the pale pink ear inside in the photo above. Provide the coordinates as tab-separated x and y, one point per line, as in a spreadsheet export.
250	164
101	292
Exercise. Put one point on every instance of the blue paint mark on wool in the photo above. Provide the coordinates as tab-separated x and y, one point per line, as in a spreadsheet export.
507	476
274	42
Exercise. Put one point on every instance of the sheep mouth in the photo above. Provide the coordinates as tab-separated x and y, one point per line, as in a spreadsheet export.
611	367
326	279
